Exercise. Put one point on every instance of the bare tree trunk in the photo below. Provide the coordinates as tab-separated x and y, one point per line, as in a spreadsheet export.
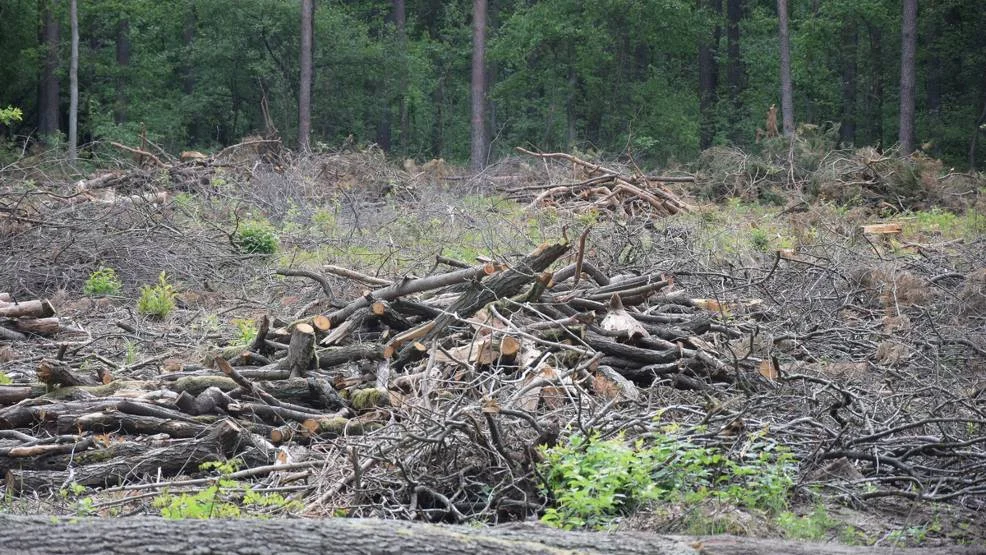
305	91
850	43
73	77
48	86
40	534
479	146
875	97
400	21
708	77
123	63
787	88
908	48
735	76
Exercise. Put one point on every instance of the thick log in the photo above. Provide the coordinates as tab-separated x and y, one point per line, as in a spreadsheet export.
504	284
78	536
38	326
11	394
27	309
52	372
409	286
221	440
334	356
11	335
104	422
301	351
315	391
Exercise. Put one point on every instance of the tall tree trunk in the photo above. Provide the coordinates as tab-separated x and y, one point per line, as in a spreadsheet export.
73	77
735	78
48	85
708	76
122	68
305	89
875	96
479	146
980	125
787	88
908	48
934	75
850	44
400	21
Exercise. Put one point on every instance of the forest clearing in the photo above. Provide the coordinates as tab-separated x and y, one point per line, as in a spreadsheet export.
259	334
492	277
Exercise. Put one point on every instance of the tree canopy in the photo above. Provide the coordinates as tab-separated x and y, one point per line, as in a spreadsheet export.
606	76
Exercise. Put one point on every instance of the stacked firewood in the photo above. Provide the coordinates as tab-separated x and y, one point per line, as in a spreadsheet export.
351	371
20	319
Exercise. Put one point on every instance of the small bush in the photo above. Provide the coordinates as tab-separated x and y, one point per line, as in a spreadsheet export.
591	481
157	300
256	238
103	281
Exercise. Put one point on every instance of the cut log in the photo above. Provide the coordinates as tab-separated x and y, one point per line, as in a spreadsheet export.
10	394
38	326
27	309
882	229
301	351
221	440
56	372
79	536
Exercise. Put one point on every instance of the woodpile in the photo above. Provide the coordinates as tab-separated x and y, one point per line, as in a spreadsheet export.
21	319
544	337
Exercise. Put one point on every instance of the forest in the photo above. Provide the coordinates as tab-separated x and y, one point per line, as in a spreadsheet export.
661	79
624	276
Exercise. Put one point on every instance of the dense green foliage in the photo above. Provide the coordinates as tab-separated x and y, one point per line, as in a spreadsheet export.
592	481
610	76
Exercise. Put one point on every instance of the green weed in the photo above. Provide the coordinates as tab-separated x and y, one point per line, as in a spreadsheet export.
593	481
219	500
103	281
157	301
256	237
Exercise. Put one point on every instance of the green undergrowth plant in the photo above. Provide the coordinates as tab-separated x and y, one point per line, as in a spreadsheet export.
592	481
157	301
257	237
103	281
224	498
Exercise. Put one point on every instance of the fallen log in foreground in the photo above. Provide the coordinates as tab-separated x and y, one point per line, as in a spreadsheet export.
132	535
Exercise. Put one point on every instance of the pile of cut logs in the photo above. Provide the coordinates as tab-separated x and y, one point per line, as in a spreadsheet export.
19	319
540	335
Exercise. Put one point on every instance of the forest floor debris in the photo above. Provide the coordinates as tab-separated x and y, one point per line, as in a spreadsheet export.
410	343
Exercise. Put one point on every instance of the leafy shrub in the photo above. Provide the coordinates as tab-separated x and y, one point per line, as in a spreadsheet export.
103	281
256	238
10	114
218	500
157	300
592	481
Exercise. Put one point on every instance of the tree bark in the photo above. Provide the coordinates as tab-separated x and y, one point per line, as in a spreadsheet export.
400	21
49	84
479	145
38	534
73	77
908	48
787	87
708	77
123	65
734	66
850	43
875	97
305	89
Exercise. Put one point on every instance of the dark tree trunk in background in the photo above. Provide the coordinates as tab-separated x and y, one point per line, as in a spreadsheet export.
874	100
708	77
735	80
933	85
400	21
479	145
979	125
787	88
850	44
908	48
73	78
305	88
48	85
123	69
